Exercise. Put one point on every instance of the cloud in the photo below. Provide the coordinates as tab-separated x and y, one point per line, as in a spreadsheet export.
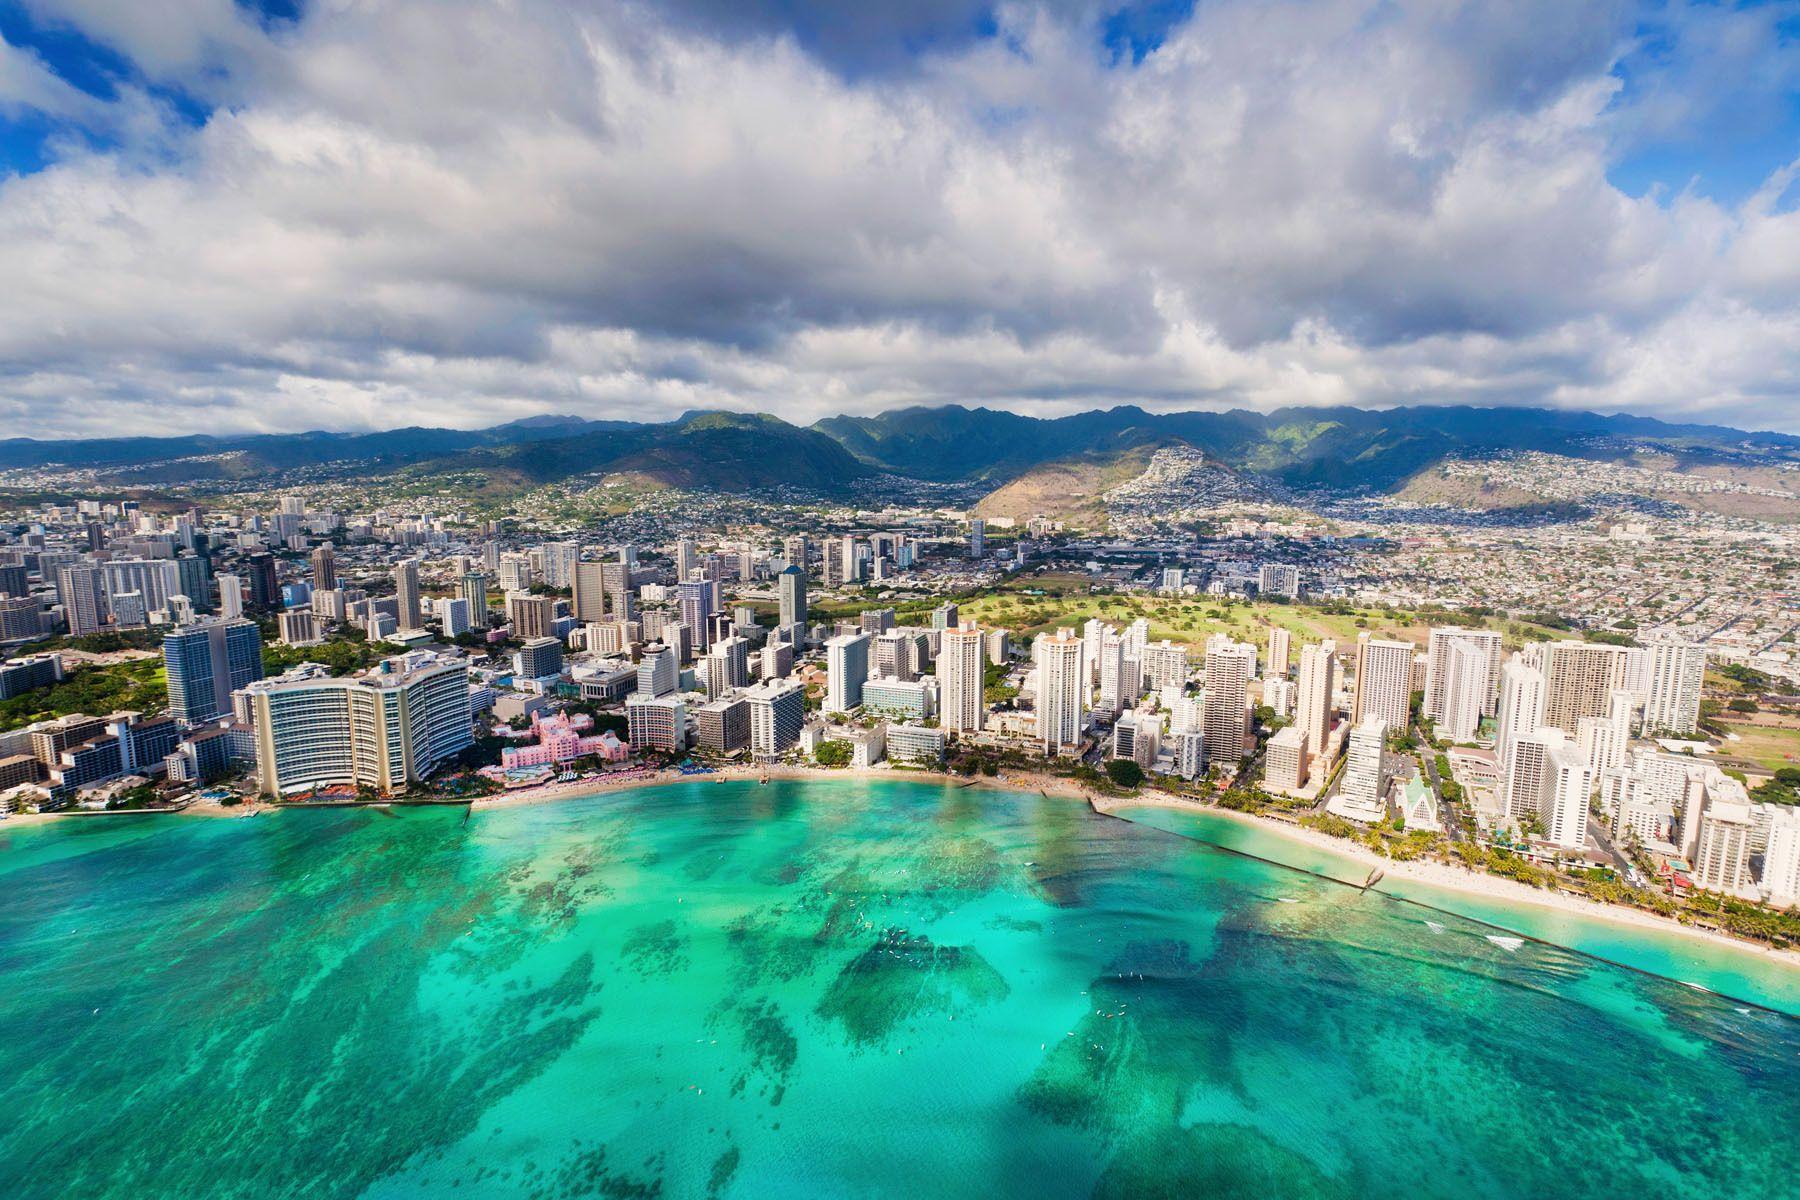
469	212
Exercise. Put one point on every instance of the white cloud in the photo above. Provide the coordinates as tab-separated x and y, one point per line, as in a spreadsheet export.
470	212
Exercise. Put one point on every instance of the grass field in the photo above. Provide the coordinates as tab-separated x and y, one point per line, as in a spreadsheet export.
1193	619
1772	748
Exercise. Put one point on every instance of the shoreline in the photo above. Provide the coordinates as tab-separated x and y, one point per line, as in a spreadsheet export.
1475	884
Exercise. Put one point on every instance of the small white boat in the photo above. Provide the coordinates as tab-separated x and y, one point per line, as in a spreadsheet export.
1506	943
1434	927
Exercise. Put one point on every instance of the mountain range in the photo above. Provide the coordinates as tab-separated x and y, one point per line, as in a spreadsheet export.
1335	448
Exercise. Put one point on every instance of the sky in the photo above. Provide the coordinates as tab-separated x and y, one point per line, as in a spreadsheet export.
222	216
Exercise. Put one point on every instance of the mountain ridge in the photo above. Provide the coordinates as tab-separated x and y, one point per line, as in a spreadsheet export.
1339	447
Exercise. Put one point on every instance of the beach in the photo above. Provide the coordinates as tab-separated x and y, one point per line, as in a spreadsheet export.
1475	884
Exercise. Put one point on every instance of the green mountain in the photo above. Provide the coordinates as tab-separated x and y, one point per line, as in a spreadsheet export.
1330	447
1305	447
723	451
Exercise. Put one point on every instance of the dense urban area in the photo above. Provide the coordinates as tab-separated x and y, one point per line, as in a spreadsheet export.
1605	702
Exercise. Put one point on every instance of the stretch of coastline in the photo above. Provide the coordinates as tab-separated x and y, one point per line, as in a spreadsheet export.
1479	885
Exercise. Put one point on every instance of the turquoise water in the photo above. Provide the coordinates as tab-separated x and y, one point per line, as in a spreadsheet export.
822	989
1741	972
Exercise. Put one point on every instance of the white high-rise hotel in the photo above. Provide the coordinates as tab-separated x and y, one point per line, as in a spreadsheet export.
1062	691
961	667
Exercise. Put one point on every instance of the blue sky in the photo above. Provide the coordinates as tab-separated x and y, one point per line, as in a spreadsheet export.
279	215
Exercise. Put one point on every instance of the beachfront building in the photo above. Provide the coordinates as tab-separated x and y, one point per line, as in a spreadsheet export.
903	699
723	725
1285	761
656	722
962	669
846	670
386	728
915	745
1062	692
777	714
562	738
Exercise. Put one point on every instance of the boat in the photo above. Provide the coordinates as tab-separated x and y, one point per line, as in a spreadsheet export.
1506	943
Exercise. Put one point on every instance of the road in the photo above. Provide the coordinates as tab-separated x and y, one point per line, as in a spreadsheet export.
1448	814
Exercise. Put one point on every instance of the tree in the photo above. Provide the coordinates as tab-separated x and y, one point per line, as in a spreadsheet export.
1124	772
833	754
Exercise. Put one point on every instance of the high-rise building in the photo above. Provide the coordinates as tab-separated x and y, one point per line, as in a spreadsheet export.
559	559
515	573
1722	861
1313	701
1567	785
265	584
777	714
893	652
82	591
589	584
1530	772
1579	678
384	729
697	600
1520	712
1280	653
977	537
656	722
658	671
474	590
1677	673
615	578
206	662
194	580
1062	691
846	669
453	615
723	725
727	666
790	590
1605	741
530	616
1278	579
1384	675
1225	705
687	559
538	658
962	663
406	594
1117	692
1365	772
1781	860
231	596
1285	760
795	550
299	627
1465	678
1165	665
1439	671
324	568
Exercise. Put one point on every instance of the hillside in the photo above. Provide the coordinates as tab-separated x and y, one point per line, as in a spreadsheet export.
719	450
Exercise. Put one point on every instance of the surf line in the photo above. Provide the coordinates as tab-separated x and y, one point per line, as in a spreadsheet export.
1364	888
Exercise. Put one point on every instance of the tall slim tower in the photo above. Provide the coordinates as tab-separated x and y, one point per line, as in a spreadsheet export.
1225	713
1312	706
961	662
1384	673
406	594
324	568
1062	691
790	588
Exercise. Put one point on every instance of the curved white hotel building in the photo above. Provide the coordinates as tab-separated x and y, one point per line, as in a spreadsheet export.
384	728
